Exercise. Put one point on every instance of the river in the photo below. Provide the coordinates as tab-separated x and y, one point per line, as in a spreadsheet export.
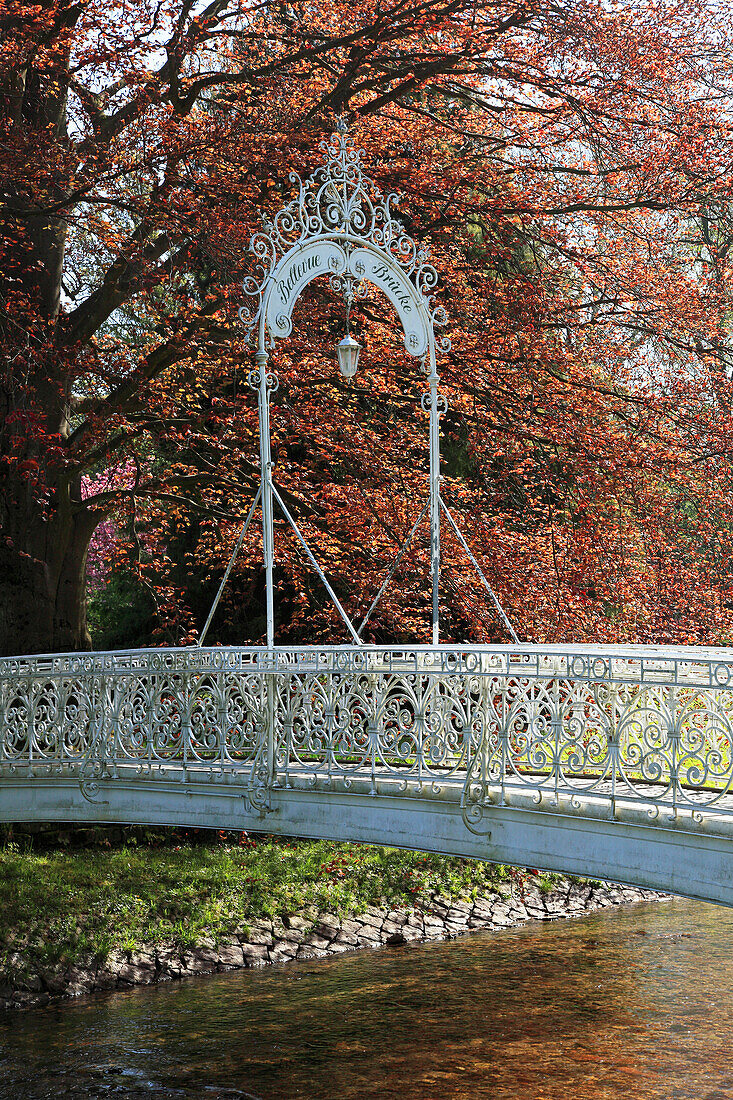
629	1004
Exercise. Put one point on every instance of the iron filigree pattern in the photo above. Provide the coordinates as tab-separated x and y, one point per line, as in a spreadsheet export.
338	201
644	730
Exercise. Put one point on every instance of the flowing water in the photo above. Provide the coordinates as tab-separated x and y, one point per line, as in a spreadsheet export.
631	1004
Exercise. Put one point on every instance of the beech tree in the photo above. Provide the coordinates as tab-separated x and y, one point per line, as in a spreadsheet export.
563	161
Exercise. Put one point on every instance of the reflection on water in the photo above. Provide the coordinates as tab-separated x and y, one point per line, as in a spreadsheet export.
633	1004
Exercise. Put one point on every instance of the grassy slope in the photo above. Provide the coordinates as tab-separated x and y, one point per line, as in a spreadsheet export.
165	886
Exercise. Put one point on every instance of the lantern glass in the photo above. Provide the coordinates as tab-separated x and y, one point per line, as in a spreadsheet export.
348	355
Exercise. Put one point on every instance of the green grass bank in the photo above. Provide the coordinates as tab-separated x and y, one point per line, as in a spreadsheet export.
66	895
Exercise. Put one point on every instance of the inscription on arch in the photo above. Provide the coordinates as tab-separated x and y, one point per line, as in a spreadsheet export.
292	275
392	280
301	265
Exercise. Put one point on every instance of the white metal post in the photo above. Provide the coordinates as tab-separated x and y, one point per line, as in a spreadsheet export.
435	500
268	541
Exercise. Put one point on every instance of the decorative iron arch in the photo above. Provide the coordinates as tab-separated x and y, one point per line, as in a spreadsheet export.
341	225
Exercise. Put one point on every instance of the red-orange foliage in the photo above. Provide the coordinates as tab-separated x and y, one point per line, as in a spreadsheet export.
569	165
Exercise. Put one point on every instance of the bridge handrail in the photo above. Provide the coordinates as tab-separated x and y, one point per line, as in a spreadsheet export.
660	665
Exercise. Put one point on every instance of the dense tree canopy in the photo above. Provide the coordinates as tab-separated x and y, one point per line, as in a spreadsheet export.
569	164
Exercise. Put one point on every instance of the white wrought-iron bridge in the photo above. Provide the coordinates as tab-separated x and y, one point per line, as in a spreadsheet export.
607	761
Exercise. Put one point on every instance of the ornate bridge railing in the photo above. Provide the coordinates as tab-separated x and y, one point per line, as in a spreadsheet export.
602	727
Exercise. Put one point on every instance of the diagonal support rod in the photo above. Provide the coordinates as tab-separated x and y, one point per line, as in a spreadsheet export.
315	564
228	569
477	567
394	565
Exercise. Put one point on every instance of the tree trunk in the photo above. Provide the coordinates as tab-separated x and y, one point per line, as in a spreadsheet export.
44	527
42	575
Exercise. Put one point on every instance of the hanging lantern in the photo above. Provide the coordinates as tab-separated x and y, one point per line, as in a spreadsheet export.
348	354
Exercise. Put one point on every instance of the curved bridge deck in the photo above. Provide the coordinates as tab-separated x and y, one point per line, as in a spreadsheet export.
615	762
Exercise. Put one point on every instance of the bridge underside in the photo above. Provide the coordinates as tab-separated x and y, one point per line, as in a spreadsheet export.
573	839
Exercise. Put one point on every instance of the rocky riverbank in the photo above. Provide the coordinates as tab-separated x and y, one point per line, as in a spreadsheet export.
308	935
